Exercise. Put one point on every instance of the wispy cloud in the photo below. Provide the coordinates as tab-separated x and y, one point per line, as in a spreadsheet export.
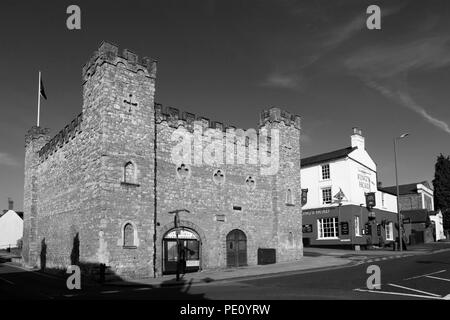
405	99
384	68
284	80
8	160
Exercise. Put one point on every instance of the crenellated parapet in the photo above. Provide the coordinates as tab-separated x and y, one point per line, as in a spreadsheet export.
175	118
109	53
36	133
64	136
275	114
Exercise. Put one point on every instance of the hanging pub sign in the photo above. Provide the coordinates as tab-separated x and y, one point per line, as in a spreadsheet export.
304	196
307	228
379	230
344	228
370	199
367	229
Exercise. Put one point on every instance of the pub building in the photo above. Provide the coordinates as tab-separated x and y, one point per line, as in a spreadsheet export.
344	206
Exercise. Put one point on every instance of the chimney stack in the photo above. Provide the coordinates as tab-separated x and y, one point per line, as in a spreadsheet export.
379	184
357	139
10	204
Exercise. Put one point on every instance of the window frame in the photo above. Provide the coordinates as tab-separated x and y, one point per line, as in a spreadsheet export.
390	228
325	168
357	226
322	225
331	195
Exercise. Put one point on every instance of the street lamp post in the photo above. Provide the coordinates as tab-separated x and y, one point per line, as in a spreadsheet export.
400	234
177	225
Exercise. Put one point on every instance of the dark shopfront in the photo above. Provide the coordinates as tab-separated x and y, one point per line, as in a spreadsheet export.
348	226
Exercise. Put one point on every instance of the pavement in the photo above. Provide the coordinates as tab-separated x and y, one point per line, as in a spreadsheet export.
314	259
423	272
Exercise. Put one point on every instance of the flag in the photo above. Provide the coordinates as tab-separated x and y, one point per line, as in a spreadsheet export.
43	91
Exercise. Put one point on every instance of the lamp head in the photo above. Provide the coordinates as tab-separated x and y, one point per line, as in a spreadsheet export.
404	135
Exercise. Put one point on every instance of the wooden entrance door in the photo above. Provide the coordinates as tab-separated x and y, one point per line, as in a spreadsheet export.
236	249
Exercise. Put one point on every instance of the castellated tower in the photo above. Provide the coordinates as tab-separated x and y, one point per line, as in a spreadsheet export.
96	176
286	191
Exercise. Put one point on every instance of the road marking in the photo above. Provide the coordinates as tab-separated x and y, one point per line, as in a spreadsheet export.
140	289
424	275
406	288
69	295
107	292
399	294
384	258
7	281
437	278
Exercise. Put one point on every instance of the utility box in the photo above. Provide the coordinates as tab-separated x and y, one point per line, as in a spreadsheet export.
267	256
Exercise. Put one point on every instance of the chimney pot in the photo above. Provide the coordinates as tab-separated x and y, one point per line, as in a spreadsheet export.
10	204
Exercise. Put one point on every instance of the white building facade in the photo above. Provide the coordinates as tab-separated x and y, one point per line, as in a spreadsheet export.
336	211
11	229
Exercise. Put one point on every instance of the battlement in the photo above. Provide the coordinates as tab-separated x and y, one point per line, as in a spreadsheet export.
64	136
275	114
175	118
35	132
109	53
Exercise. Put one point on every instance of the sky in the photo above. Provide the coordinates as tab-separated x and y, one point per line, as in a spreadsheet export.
230	59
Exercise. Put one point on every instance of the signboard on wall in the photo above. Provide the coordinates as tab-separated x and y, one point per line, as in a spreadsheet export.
344	228
370	200
307	228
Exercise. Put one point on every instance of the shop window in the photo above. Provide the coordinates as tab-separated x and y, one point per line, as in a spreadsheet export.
328	228
357	227
389	231
325	171
326	195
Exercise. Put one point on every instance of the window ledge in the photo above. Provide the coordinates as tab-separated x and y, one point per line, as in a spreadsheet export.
335	238
123	183
129	247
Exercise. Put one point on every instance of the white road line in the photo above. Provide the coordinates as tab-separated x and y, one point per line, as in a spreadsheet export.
112	291
7	281
399	294
406	288
140	289
424	275
437	278
384	258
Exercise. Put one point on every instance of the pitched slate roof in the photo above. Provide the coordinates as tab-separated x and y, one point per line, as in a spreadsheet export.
324	157
404	188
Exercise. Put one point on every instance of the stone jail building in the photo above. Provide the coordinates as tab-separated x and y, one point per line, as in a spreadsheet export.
102	189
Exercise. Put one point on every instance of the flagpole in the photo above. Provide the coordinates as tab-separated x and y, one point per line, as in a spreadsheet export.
39	99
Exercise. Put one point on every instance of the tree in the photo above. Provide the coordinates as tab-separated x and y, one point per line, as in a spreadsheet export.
441	184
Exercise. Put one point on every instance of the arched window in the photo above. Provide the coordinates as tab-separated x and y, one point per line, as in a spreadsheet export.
129	173
128	235
289	198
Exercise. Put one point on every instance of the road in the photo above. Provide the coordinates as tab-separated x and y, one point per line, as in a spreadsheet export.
423	277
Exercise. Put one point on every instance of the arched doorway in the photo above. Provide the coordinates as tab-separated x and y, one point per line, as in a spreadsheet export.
189	253
236	248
